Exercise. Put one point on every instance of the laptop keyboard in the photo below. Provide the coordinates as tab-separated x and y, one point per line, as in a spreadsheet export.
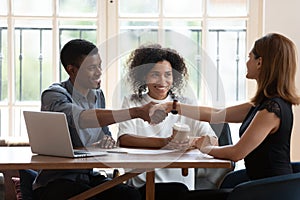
80	152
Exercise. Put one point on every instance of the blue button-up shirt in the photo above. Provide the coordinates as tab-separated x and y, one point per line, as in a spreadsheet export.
63	97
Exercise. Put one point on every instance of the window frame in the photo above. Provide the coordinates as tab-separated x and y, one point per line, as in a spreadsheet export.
254	31
107	17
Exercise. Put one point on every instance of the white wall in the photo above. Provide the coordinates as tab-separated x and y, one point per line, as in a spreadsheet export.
283	17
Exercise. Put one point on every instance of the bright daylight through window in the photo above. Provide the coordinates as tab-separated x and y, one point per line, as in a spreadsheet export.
211	35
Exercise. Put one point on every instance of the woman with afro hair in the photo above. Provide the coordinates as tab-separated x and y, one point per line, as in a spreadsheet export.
159	75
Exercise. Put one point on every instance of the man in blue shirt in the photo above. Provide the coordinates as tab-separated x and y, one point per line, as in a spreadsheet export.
83	102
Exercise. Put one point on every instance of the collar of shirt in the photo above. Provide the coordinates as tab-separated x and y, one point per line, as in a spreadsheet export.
89	101
150	99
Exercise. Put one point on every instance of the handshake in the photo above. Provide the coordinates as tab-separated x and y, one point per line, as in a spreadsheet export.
155	113
158	112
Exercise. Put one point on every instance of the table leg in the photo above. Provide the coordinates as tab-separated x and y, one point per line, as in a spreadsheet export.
104	186
185	171
150	185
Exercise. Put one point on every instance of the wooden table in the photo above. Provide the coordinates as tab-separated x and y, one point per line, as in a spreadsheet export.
15	158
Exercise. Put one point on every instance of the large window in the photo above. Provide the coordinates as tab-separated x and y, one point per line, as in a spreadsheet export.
213	36
31	34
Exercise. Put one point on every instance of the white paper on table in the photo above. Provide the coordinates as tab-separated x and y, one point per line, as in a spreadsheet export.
197	151
140	151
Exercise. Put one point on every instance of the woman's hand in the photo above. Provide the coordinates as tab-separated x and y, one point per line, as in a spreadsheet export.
107	142
178	145
205	143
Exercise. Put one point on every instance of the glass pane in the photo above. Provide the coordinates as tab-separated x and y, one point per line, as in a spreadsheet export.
227	8
78	8
138	32
19	127
189	29
3	7
226	44
190	8
32	7
132	35
33	59
72	30
138	8
4	122
3	62
185	37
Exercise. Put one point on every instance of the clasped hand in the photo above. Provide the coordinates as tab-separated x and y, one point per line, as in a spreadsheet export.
178	145
157	114
205	143
107	142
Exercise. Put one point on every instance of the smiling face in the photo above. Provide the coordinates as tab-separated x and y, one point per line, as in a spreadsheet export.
88	75
159	80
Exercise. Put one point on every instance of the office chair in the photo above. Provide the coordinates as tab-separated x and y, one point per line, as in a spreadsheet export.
284	187
279	187
27	177
234	178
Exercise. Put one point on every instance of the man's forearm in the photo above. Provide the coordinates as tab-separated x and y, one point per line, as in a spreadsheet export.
102	117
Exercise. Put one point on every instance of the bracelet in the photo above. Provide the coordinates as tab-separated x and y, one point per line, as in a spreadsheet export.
174	110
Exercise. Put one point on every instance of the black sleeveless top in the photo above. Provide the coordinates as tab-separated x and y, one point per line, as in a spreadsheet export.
272	156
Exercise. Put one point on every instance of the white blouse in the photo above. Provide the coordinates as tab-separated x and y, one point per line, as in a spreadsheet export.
164	129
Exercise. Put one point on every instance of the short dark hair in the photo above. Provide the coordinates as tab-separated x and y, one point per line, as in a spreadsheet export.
75	51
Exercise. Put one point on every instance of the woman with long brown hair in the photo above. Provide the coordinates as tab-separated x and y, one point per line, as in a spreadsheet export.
267	120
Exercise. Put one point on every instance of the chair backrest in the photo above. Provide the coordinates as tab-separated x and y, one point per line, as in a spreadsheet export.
276	188
224	135
296	166
223	132
210	178
234	178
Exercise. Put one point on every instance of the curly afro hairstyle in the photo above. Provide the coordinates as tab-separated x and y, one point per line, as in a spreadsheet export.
143	59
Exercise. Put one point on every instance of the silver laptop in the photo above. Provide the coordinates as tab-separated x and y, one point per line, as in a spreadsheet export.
48	134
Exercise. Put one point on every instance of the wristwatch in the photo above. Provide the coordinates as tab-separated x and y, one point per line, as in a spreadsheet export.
174	110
